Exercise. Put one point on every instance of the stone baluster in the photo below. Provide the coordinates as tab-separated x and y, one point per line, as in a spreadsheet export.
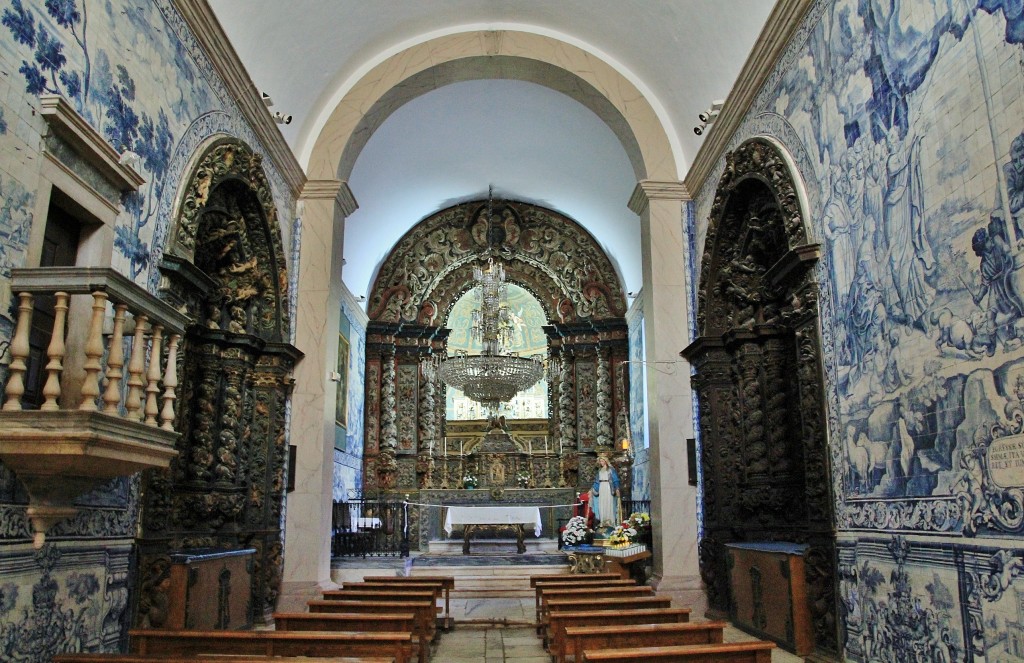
133	403
93	353
55	352
170	384
19	353
115	362
153	376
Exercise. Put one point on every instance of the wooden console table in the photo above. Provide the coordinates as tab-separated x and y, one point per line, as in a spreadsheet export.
473	518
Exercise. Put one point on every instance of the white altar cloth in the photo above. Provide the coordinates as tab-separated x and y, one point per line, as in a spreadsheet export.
493	515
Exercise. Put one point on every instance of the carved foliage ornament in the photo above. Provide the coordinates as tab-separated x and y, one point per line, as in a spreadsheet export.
548	254
253	265
740	251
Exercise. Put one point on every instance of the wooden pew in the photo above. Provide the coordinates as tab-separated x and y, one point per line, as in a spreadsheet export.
405	588
353	621
575	584
560	620
589	592
620	604
733	652
592	638
424	609
160	642
133	658
396	593
568	577
447	584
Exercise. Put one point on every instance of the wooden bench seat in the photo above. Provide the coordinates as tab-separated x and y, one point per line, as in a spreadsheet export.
353	621
580	638
734	652
559	621
423	609
447	584
620	603
589	592
159	642
568	577
134	658
571	584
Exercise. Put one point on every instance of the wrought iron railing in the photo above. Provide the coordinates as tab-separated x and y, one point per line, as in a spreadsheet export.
365	527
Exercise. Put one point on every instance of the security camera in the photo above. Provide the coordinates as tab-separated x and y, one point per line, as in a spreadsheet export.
698	130
707	116
267	101
704	117
281	118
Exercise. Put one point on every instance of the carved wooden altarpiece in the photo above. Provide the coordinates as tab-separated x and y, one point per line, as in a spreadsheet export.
429	269
224	265
758	379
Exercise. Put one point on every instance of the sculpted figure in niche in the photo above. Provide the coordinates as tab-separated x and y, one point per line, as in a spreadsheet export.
605	493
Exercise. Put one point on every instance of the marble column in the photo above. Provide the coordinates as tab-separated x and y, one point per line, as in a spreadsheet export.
323	206
669	416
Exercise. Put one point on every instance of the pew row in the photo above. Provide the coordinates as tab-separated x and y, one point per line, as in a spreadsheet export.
618	604
424	610
154	642
578	584
355	621
569	577
562	620
592	638
447	584
585	593
734	652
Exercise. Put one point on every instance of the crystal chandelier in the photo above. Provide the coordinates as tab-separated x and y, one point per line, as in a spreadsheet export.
495	375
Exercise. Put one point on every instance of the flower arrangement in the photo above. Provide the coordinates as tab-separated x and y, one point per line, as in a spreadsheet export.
576	531
470	481
523	479
639	520
623	535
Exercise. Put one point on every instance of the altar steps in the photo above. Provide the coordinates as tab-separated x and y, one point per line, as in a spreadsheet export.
475	582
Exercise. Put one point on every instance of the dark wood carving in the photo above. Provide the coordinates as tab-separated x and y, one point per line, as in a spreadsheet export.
226	488
559	263
758	379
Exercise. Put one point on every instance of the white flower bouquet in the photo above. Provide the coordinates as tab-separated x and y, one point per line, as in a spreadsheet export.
576	531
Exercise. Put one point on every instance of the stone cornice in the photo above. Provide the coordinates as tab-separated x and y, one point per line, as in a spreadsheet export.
770	45
88	143
204	25
328	189
648	190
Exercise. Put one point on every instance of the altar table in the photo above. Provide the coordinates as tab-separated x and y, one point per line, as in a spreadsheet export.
512	517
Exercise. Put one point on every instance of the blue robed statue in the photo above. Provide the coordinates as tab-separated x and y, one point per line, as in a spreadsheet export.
606	494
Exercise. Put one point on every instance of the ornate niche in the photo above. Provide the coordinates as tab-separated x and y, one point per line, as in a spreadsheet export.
225	266
429	269
758	379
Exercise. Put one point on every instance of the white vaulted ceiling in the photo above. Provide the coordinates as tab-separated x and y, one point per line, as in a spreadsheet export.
530	142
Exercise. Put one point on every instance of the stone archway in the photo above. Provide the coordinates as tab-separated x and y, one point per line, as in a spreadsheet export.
225	266
758	378
429	269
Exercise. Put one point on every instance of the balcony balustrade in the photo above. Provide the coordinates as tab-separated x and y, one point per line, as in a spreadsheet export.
95	422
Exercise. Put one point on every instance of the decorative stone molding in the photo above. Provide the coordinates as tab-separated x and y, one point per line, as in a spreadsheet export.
769	47
336	189
647	190
73	129
215	42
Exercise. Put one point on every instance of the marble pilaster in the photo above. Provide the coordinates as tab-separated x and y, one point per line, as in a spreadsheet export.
324	205
665	305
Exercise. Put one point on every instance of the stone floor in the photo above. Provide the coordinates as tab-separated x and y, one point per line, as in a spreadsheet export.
500	630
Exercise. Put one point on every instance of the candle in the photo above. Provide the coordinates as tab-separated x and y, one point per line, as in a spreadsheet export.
545	445
529	446
462	449
446	447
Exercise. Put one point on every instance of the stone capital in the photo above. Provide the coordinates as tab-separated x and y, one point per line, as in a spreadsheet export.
648	190
331	189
